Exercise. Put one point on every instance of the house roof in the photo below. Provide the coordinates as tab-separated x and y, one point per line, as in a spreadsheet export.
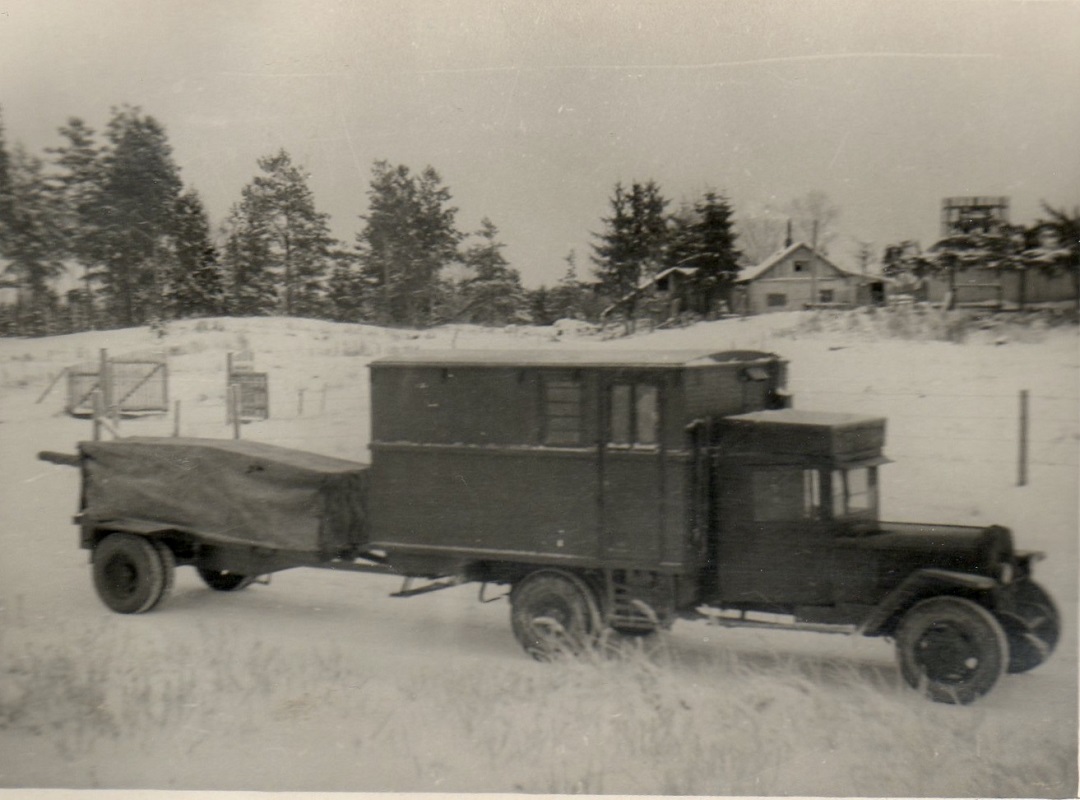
648	280
752	273
568	358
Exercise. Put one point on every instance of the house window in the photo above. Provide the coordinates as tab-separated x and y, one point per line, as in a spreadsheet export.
562	411
826	296
782	494
800	266
635	415
776	300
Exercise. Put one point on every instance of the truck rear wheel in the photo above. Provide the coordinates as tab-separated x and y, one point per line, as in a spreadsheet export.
553	613
952	649
130	573
1033	626
223	580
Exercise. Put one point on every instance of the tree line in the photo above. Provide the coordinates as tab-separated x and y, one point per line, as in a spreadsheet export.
112	209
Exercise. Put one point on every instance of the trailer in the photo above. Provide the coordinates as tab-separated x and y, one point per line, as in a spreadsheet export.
607	490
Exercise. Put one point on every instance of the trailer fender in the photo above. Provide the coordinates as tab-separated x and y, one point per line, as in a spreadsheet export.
918	586
95	529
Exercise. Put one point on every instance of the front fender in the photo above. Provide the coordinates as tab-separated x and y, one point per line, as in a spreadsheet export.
917	586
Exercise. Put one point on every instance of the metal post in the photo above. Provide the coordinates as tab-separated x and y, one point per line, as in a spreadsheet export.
1022	477
234	409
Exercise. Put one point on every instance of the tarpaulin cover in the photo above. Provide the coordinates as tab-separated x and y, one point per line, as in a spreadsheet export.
232	491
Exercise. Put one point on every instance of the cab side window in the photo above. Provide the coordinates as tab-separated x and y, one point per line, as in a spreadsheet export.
783	494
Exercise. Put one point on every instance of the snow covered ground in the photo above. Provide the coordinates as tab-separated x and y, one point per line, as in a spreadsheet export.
320	682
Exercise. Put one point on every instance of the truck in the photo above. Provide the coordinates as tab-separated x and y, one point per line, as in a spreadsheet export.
607	492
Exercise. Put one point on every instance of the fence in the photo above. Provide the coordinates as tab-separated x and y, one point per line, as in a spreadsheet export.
128	385
248	392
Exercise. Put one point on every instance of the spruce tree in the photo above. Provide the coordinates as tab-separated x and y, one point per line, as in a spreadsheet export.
279	243
493	294
140	186
195	285
31	242
632	244
409	237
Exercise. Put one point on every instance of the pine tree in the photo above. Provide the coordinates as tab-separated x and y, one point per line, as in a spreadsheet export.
569	297
633	242
78	189
279	242
31	242
250	284
409	237
345	289
7	190
140	186
194	283
493	294
1065	255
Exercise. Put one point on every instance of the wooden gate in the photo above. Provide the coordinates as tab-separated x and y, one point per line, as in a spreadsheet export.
132	385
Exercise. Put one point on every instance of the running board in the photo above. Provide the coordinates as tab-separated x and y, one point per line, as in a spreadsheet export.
813	627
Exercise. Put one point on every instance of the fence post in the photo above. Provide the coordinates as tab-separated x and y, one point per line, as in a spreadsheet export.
96	403
105	379
1022	476
228	388
176	420
234	408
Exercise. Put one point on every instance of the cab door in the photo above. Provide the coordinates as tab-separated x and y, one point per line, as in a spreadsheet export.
631	467
774	539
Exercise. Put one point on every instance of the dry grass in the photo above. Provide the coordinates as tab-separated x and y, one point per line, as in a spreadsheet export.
643	720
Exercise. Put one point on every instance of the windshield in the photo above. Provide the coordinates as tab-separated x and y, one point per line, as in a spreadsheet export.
854	492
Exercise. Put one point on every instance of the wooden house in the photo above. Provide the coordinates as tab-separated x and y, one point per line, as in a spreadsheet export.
797	277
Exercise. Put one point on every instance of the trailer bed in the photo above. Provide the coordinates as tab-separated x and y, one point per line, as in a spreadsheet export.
230	491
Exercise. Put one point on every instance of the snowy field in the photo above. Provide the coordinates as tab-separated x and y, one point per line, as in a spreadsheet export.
320	682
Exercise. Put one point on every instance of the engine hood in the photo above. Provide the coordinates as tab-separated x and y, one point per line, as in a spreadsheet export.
913	545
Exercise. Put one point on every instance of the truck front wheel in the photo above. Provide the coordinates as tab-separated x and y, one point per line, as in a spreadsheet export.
952	649
553	613
131	575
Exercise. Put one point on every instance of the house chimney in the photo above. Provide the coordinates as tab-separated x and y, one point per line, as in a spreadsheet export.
787	239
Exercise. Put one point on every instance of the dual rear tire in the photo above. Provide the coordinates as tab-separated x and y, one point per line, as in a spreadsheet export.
554	614
133	574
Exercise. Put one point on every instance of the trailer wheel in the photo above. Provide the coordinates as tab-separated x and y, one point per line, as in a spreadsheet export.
130	573
1033	627
553	614
952	649
168	564
223	580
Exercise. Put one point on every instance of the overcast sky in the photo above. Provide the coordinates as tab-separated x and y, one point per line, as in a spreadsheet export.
531	111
